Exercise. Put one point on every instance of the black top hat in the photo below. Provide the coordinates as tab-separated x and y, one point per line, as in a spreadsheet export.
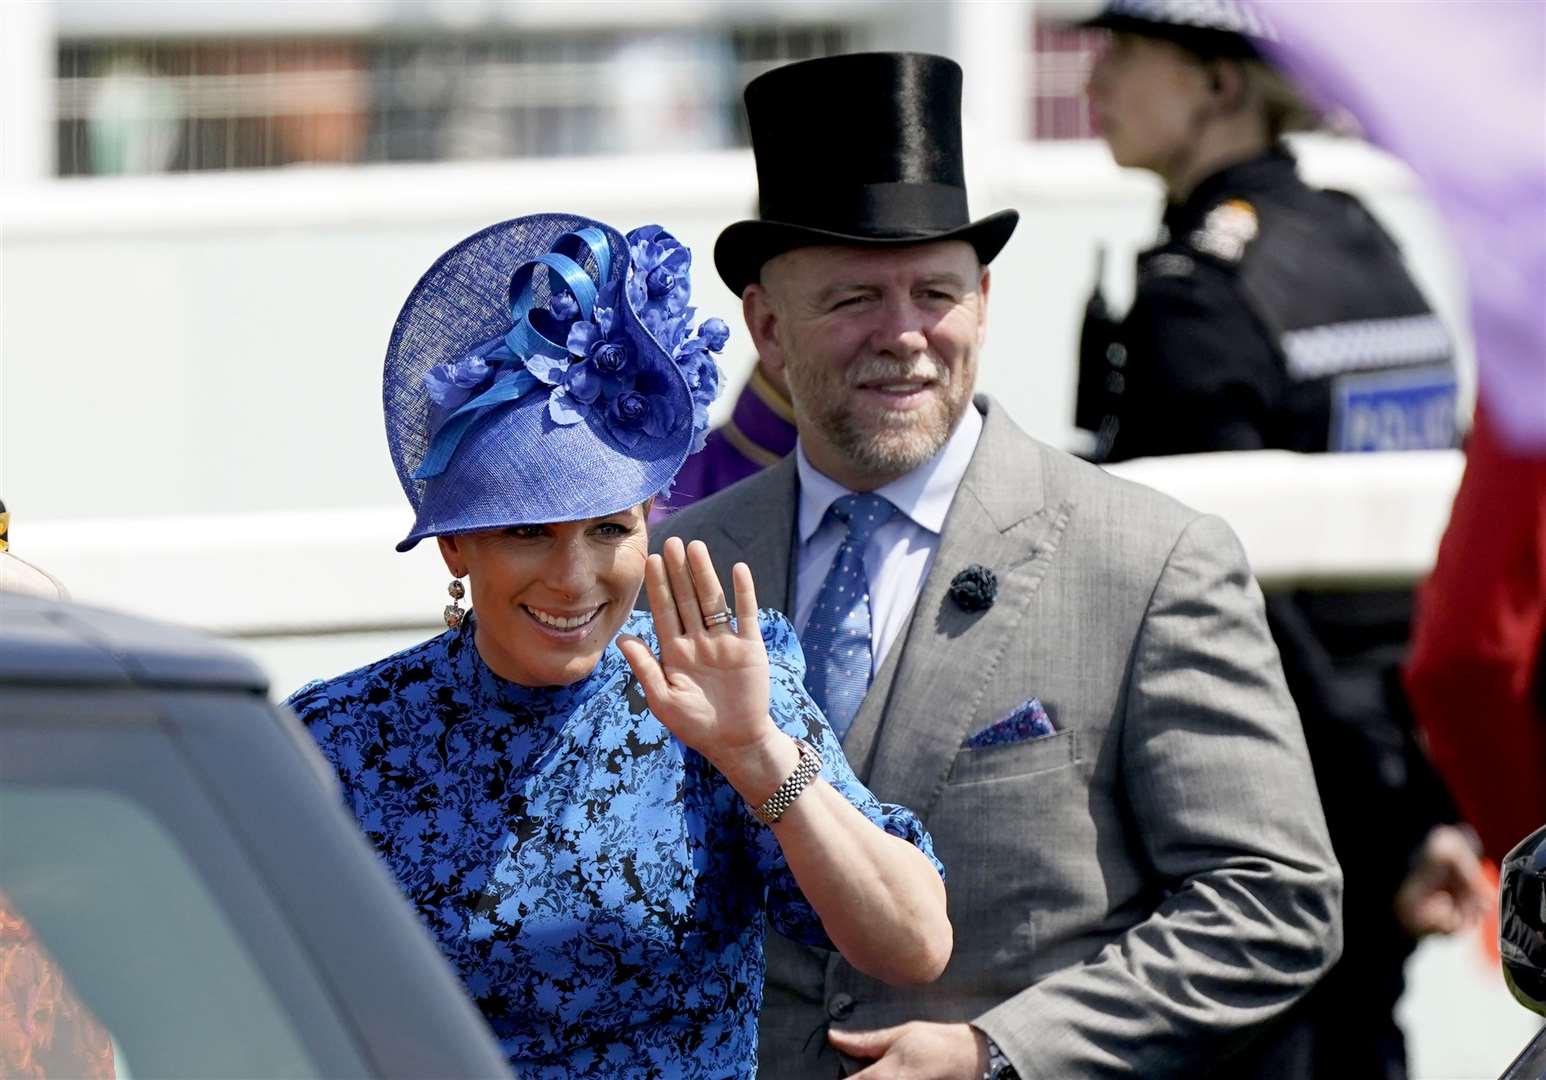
860	149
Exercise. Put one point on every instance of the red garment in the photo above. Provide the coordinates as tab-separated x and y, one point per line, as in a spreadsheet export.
45	1031
1476	648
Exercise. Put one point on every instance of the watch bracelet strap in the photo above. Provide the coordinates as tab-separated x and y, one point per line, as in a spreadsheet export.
999	1067
808	769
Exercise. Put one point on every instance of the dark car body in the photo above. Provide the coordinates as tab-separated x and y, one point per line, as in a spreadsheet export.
1522	942
179	849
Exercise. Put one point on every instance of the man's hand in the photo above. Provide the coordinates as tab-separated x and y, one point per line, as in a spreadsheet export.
917	1051
1445	890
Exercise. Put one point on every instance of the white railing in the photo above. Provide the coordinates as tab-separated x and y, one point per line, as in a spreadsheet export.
1316	520
212	344
190	401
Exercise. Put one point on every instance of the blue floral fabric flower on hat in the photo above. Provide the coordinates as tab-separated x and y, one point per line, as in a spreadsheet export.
563	306
602	376
550	338
660	283
451	384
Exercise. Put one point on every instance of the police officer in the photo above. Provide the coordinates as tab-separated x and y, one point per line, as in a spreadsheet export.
1271	315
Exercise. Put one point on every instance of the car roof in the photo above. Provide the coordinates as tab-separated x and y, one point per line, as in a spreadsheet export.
56	642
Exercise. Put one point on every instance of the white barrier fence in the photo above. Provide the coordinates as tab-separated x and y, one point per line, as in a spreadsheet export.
1371	519
212	344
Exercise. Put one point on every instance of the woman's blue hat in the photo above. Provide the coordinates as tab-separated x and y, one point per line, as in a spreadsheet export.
545	369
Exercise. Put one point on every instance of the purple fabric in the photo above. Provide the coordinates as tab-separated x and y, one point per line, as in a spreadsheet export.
758	421
1458	90
714	468
721	463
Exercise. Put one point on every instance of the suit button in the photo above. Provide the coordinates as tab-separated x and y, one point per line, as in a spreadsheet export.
841	1007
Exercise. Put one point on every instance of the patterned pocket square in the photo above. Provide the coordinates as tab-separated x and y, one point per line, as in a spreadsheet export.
1028	721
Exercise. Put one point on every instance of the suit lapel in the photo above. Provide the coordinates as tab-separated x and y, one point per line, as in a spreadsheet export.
761	529
925	700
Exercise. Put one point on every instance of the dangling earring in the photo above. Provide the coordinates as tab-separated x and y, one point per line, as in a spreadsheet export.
454	613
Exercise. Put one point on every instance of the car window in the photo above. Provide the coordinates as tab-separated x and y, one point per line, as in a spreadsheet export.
116	905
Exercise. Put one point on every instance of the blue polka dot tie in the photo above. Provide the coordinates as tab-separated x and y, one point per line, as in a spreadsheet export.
836	640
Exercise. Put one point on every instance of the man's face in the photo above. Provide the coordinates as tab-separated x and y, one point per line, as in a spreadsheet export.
879	346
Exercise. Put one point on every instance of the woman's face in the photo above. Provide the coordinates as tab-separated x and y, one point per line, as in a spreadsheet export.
550	597
1149	97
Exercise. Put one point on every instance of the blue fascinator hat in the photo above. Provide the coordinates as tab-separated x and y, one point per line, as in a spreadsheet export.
546	369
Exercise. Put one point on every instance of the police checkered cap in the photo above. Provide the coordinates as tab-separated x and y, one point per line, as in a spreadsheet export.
1222	16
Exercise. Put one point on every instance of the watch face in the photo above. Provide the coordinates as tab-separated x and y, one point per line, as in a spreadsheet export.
999	1067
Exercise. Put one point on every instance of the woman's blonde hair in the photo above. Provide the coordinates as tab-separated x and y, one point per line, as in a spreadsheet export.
1285	108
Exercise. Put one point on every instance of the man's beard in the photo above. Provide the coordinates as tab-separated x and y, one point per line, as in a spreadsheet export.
896	442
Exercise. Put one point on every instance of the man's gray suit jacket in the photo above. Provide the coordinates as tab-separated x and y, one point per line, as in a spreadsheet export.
1136	894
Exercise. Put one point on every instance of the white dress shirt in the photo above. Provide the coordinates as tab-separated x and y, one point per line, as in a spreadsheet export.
900	552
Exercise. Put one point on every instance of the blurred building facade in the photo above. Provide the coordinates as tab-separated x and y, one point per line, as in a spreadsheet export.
163	86
262	180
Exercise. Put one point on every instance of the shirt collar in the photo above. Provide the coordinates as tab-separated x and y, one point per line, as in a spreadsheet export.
1270	171
924	495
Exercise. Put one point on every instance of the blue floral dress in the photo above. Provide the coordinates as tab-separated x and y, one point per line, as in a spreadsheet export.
599	887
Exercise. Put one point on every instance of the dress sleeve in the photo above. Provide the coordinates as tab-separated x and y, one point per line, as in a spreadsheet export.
332	732
795	713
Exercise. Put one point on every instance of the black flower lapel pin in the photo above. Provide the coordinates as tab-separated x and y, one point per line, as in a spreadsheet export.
974	588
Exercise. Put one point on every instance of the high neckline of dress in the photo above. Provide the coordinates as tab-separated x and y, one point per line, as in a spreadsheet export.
474	669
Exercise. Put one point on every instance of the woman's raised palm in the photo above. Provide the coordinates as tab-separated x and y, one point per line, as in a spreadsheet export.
709	684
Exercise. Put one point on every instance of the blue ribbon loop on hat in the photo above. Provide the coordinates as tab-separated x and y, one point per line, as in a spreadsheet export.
564	272
524	339
510	386
592	241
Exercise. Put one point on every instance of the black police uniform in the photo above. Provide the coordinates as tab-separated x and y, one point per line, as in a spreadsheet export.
1271	316
1275	316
